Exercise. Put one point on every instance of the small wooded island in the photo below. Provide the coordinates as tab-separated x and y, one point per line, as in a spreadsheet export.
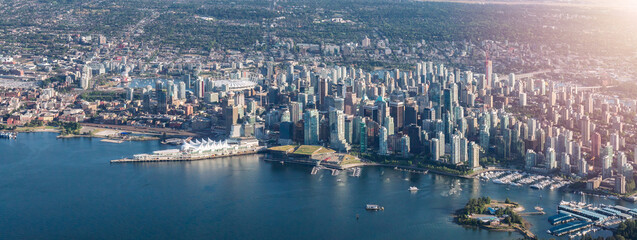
493	215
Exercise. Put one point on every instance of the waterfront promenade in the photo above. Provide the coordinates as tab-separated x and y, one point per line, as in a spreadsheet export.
140	129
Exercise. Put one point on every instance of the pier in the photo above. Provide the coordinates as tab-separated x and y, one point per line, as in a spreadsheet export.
315	170
188	157
532	213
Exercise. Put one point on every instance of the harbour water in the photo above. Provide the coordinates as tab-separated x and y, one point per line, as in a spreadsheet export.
67	189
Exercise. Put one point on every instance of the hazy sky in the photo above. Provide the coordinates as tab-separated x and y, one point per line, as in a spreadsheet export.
620	4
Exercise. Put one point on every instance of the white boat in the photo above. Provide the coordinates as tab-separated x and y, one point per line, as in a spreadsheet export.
374	207
413	189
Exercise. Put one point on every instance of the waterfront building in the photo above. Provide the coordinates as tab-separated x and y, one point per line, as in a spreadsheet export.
565	163
531	158
484	139
311	127
607	164
455	149
441	139
620	184
382	141
435	149
474	155
363	136
202	149
551	159
337	130
404	146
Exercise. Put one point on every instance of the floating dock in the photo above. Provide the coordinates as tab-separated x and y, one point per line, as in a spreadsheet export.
569	227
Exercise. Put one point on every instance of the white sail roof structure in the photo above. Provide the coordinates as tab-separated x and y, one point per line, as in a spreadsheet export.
204	145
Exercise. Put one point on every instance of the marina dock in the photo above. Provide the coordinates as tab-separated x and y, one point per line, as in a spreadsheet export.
579	217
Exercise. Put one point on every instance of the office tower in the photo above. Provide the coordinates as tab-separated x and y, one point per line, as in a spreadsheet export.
181	91
296	109
455	149
285	116
531	158
551	159
565	163
586	130
311	128
322	92
582	167
231	114
484	139
129	94
596	144
435	149
199	88
552	98
621	159
381	107
86	77
615	141
404	146
382	141
337	130
620	184
588	104
512	80
162	100
363	136
488	74
474	155
397	112
441	138
522	99
146	99
389	124
411	114
530	86
607	160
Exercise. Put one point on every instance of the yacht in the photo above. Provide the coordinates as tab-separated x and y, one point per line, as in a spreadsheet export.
413	189
373	207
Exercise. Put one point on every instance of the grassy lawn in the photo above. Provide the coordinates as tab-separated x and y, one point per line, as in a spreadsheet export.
307	149
349	159
284	148
324	150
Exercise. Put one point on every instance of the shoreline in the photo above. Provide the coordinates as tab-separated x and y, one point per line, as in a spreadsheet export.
522	228
148	137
